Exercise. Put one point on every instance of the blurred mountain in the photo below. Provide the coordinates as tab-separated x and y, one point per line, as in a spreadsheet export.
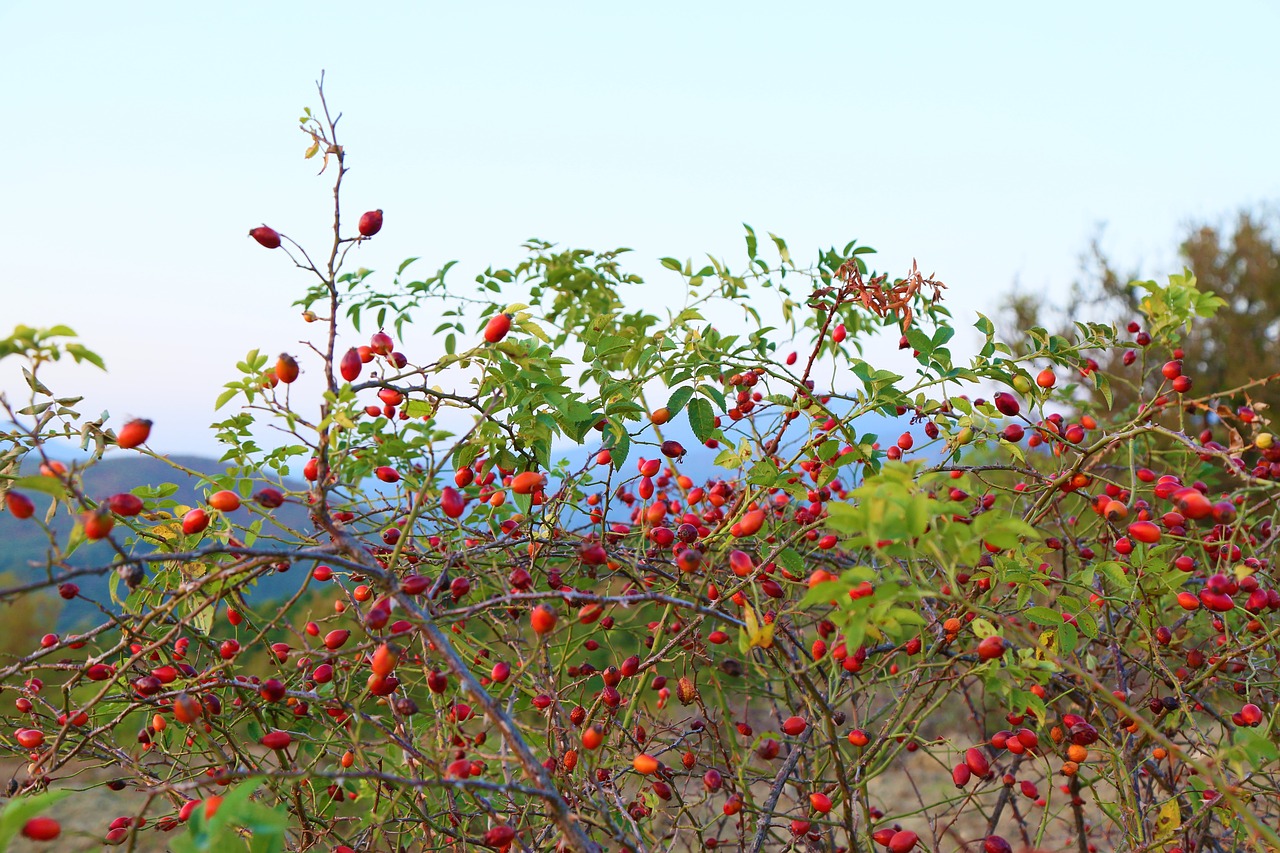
24	547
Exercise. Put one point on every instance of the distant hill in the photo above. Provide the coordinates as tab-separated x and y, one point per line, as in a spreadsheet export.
24	546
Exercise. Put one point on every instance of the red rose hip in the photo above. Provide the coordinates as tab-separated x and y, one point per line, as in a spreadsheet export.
266	237
371	223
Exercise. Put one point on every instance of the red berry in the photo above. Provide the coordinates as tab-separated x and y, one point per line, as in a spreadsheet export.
1145	531
996	844
991	648
1192	503
195	521
134	433
269	498
286	368
903	841
97	524
499	836
1007	404
350	365
224	501
976	760
125	504
794	726
381	344
645	765
528	482
29	738
371	223
41	829
266	237
20	506
452	502
497	327
276	740
543	619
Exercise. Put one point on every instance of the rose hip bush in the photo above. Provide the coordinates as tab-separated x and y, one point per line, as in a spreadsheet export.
731	618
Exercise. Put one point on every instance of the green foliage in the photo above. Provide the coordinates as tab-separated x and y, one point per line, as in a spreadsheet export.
239	824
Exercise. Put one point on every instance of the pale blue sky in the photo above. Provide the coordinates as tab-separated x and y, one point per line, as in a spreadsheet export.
142	141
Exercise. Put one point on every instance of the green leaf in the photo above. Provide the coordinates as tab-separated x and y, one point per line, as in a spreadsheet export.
1257	748
714	394
920	341
1103	384
783	251
845	517
237	811
48	485
1114	573
827	592
763	473
701	418
679	398
1045	616
1068	638
225	397
620	445
80	353
791	560
18	811
199	615
671	264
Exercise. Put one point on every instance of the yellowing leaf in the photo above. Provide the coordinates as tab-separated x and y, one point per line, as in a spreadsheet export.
1047	648
535	330
1168	821
169	532
983	629
758	635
